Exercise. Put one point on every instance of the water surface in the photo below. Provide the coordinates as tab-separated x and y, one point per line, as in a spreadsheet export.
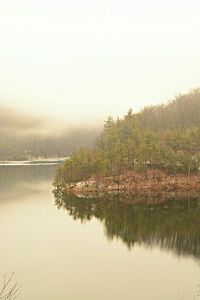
69	248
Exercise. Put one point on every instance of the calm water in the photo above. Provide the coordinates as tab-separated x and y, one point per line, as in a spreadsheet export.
67	248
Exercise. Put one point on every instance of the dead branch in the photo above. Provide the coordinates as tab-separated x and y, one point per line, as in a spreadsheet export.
10	289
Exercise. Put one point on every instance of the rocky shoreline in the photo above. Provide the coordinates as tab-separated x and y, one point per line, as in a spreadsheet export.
136	183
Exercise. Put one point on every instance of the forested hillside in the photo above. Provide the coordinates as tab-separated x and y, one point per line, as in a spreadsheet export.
183	112
166	137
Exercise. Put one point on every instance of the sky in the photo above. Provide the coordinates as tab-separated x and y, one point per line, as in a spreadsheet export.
80	61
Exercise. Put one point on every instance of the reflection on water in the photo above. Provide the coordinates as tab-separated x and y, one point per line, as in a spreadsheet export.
15	175
173	224
56	257
17	181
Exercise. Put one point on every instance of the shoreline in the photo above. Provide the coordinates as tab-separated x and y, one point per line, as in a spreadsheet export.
136	183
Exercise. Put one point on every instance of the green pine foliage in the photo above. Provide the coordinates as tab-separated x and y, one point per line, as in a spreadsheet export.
162	136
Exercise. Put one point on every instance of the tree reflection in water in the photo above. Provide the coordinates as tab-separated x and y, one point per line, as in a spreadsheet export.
172	223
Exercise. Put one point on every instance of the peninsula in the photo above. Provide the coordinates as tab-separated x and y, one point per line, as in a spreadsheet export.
156	149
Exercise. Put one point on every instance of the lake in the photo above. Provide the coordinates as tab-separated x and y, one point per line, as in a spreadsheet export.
95	249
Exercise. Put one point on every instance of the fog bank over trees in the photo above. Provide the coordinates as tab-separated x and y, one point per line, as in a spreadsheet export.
167	128
24	136
18	122
164	137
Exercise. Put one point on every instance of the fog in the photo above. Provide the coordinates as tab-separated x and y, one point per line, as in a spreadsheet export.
13	121
82	60
67	65
25	136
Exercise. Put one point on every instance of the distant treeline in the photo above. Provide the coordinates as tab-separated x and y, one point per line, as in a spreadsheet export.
20	146
24	136
160	136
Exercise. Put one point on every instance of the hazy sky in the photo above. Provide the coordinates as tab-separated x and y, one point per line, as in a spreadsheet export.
82	60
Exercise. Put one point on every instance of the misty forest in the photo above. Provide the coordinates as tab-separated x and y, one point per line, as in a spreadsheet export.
24	137
123	199
165	137
99	150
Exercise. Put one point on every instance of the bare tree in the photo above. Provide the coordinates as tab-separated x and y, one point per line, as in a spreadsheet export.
10	288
